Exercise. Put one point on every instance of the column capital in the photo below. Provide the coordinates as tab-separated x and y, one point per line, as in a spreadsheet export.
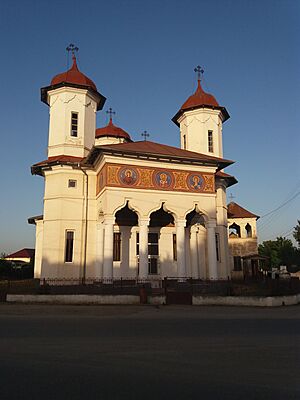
144	221
181	223
109	220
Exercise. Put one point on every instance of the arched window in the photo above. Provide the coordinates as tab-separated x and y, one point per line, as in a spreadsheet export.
234	230
248	230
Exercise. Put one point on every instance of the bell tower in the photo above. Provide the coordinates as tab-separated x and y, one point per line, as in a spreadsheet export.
200	120
73	101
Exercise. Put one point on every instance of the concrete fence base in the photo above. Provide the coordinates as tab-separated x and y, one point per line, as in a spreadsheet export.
246	301
155	300
73	299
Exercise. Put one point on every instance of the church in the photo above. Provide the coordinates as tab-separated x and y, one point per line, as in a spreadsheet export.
117	208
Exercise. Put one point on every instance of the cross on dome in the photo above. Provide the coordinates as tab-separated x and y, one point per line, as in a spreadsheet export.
111	113
199	71
145	135
72	48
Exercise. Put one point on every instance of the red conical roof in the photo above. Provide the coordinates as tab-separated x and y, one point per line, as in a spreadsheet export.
73	75
200	98
112	130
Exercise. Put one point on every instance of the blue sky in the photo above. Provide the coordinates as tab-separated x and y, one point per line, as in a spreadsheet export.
141	55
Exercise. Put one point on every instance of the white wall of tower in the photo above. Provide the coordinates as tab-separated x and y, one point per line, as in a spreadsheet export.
63	101
194	127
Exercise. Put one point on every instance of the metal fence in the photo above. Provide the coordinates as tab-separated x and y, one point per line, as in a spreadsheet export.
263	287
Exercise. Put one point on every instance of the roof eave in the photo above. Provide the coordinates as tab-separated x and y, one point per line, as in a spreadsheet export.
96	150
225	113
100	102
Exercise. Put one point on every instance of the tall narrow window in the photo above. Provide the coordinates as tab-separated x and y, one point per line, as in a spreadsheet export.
69	246
74	124
218	246
174	247
210	142
117	246
184	141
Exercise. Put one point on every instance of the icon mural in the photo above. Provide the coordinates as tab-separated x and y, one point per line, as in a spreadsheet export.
195	182
128	176
115	175
163	179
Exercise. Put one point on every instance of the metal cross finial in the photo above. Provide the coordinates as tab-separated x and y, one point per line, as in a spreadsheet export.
199	71
72	48
145	135
110	112
231	197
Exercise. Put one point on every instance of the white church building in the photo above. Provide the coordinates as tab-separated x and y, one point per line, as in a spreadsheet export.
118	208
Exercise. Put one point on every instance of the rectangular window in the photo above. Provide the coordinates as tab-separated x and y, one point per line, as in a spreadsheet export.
174	247
184	141
210	142
72	183
69	245
117	246
237	263
74	124
137	244
218	247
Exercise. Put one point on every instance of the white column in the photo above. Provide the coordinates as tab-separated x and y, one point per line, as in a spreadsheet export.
211	250
180	240
108	247
143	248
194	252
99	251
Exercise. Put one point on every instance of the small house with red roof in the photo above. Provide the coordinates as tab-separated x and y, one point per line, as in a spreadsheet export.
118	208
21	256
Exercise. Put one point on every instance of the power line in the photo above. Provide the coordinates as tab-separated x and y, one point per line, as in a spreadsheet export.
282	205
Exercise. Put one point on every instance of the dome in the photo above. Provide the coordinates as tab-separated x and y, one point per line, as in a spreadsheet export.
111	130
74	76
200	98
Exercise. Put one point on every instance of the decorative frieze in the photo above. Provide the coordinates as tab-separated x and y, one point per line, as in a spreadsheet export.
131	176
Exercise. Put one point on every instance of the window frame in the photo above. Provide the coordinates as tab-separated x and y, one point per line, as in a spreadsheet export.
74	122
69	246
210	141
117	246
73	181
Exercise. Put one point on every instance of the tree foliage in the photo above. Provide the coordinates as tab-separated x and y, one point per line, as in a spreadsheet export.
296	233
280	251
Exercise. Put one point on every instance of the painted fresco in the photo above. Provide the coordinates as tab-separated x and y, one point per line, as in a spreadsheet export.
130	176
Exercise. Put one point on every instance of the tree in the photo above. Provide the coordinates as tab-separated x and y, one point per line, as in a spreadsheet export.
280	251
296	233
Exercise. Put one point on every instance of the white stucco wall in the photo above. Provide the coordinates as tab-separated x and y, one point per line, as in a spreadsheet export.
62	102
195	124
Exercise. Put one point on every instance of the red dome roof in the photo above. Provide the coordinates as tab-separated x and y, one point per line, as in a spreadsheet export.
200	98
73	75
111	130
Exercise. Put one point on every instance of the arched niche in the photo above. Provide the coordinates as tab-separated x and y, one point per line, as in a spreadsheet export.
160	218
126	217
194	218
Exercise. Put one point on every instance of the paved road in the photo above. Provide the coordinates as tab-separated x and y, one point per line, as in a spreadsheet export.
119	352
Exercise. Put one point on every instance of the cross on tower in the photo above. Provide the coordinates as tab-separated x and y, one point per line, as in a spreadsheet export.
199	71
231	197
111	113
145	135
72	48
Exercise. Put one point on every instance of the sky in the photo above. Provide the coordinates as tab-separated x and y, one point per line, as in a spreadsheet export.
141	55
